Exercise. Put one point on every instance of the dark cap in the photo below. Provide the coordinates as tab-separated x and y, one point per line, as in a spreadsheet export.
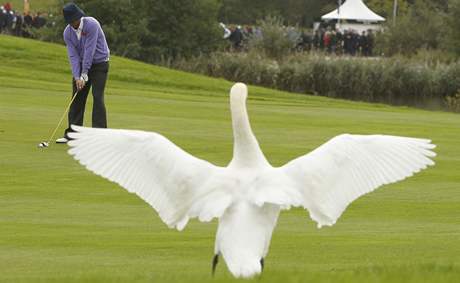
72	13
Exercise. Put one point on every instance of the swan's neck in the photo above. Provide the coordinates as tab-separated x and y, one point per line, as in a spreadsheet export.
246	150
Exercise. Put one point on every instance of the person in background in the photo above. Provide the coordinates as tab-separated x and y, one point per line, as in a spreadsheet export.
18	26
354	43
339	46
7	7
348	44
8	18
363	44
327	41
306	41
38	21
2	18
89	59
28	20
333	42
370	43
236	38
316	40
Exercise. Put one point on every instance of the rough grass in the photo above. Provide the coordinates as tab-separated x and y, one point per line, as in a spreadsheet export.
60	223
395	81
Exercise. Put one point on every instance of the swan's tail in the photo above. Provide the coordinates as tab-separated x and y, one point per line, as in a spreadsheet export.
243	265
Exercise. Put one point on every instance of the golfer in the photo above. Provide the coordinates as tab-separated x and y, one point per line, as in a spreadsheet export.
89	59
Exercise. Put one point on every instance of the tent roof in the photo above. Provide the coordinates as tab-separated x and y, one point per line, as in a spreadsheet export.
353	10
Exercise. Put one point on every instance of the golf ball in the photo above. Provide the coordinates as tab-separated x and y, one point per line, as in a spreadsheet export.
43	144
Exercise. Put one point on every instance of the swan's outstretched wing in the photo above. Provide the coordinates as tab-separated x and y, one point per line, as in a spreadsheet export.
176	184
329	178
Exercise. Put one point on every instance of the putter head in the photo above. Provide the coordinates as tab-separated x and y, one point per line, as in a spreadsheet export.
43	144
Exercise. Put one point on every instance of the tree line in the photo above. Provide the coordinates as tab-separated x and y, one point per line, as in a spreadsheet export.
155	30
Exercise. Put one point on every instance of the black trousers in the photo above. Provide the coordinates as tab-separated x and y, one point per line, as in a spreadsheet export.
97	77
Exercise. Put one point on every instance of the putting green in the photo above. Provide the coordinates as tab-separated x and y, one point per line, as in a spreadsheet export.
61	223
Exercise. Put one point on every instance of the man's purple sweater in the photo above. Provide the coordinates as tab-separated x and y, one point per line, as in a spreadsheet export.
90	49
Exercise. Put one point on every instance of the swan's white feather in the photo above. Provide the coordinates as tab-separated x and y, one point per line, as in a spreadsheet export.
346	167
176	184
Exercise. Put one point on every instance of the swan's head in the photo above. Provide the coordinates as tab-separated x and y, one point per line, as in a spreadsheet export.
239	92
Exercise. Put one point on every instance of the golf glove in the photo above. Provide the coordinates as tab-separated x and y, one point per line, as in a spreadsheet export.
84	77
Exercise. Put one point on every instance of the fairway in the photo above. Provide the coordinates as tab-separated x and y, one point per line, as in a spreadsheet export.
61	223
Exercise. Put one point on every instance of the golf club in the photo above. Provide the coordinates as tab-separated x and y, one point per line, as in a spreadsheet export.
47	143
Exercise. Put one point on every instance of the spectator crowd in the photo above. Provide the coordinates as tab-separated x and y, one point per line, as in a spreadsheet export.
348	42
330	40
19	24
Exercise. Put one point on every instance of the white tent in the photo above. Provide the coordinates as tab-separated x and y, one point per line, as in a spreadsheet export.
353	10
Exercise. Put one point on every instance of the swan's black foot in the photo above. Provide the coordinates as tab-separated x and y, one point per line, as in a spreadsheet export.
262	264
215	260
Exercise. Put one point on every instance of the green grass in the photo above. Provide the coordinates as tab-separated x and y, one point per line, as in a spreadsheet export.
61	223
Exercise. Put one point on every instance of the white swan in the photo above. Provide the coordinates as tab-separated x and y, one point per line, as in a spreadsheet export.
248	194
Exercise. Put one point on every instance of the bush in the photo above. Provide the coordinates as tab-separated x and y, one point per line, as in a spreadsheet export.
395	81
453	103
150	30
422	27
452	40
274	40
